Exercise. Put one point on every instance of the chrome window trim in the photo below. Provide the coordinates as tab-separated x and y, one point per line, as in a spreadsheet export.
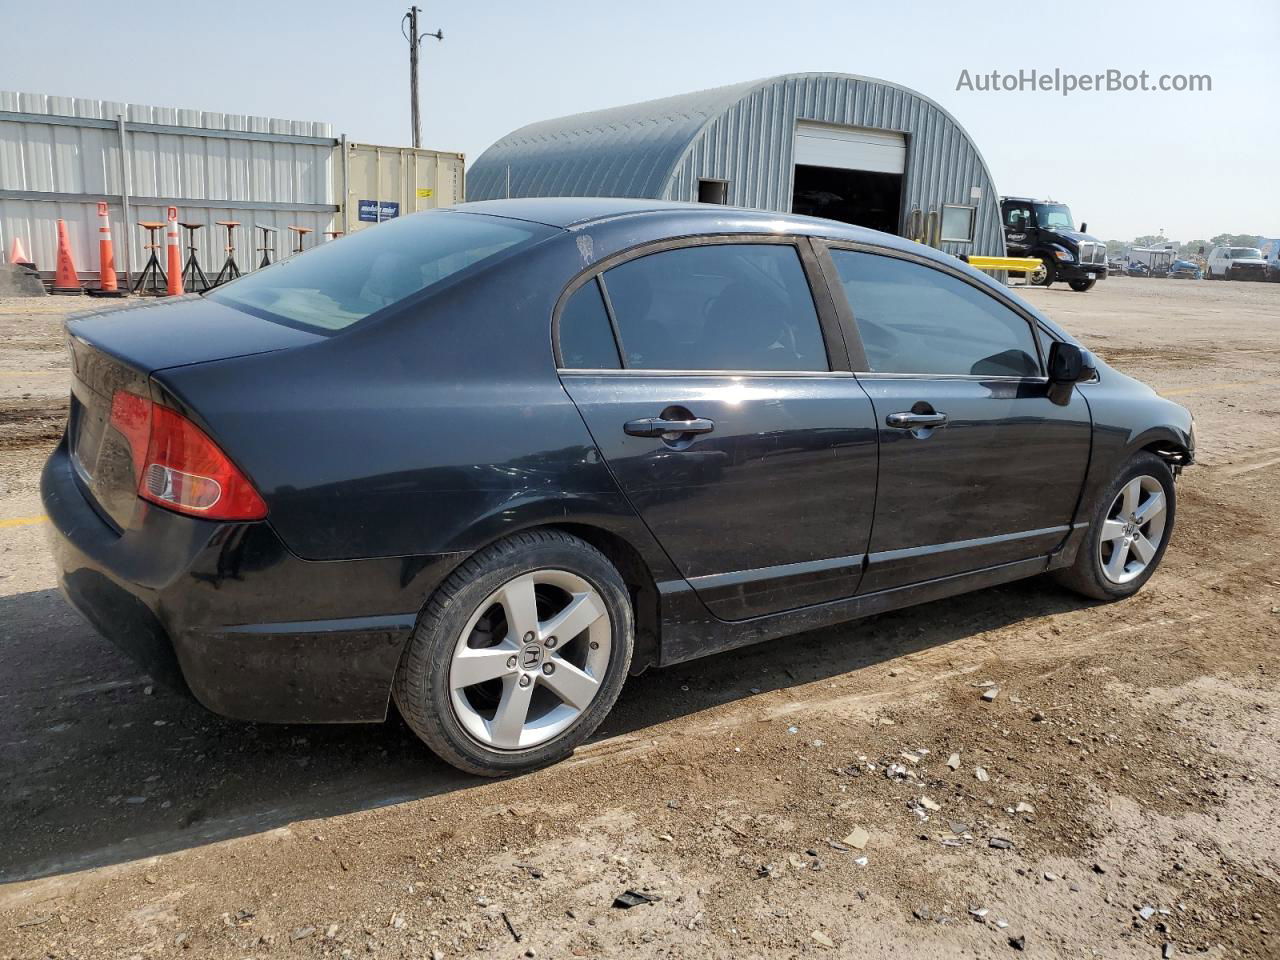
756	374
966	377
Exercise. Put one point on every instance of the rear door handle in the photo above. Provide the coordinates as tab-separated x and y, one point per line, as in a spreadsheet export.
657	426
914	421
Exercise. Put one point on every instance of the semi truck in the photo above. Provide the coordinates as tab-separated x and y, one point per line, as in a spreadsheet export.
1046	229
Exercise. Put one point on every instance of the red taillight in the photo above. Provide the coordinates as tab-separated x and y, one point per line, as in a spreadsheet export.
178	466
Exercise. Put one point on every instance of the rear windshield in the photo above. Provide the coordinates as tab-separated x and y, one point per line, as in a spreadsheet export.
338	283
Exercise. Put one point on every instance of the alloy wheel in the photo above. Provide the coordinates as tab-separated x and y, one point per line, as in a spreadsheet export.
1133	529
530	660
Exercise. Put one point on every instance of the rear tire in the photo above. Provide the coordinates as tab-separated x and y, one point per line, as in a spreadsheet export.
534	697
1118	512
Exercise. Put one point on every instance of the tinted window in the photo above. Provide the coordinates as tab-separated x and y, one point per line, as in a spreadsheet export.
718	307
586	339
335	284
1017	216
915	319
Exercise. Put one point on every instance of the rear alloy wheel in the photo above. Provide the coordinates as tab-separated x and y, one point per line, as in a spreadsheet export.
1131	528
519	656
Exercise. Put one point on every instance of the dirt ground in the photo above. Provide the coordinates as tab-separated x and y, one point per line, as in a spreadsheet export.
1117	799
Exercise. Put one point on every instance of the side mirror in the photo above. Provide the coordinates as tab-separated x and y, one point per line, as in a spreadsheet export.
1069	363
1084	228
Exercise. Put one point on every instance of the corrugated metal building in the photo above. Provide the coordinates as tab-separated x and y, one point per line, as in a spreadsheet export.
852	148
59	156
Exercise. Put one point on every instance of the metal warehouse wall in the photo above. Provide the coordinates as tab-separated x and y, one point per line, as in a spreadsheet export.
59	156
751	145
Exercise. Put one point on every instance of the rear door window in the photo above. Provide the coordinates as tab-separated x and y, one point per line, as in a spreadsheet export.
336	284
915	319
725	306
586	338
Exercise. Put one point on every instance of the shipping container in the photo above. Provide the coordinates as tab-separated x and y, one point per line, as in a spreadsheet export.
382	183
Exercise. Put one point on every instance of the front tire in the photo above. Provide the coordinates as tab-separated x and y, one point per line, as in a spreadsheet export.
519	655
1050	273
1131	527
1082	286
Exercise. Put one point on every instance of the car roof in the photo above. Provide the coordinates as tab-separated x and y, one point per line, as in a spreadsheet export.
578	213
573	213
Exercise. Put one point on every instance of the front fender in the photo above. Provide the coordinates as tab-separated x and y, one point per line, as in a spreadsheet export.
1128	416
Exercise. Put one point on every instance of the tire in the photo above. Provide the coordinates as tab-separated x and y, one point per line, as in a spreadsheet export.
1087	574
1082	286
555	568
1050	272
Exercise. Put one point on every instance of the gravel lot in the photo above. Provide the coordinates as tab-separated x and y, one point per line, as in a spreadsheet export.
1126	804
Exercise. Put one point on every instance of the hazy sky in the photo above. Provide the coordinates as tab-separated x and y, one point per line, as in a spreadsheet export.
1194	164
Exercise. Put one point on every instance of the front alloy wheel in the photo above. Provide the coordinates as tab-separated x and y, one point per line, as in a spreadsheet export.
1129	532
518	655
1133	531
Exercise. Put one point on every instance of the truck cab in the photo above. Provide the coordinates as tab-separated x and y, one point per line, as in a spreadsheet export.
1046	229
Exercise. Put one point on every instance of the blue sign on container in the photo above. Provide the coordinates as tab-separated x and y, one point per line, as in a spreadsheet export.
369	210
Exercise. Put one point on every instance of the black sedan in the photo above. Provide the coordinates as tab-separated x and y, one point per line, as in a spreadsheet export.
487	461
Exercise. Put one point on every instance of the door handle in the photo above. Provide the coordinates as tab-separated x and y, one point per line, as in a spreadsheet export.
915	421
657	426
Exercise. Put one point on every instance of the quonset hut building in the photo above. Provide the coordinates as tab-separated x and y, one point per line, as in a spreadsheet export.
826	144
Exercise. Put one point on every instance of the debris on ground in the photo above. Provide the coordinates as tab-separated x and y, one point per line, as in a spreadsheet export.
857	838
634	898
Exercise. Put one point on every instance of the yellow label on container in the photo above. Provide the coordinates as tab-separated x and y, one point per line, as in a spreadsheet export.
424	192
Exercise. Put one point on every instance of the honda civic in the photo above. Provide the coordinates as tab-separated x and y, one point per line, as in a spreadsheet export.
486	462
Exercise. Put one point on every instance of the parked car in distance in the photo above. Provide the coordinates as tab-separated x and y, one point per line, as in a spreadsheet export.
1185	270
1045	229
1236	263
485	462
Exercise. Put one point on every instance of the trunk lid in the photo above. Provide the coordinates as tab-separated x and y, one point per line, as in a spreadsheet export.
119	350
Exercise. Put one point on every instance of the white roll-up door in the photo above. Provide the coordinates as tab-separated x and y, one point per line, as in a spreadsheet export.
850	148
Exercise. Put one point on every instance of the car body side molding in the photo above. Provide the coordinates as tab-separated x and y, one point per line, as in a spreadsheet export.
686	634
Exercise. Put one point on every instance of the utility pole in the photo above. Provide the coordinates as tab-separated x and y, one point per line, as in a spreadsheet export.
409	27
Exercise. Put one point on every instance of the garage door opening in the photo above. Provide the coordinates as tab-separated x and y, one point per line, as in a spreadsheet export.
852	174
854	196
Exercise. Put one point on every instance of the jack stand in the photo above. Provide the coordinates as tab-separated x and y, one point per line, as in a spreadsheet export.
153	270
191	271
299	232
268	245
230	270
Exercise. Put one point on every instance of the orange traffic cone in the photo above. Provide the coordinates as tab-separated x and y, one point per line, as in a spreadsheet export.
173	251
17	254
107	283
65	280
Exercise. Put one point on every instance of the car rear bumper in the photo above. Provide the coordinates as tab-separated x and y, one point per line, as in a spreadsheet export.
226	613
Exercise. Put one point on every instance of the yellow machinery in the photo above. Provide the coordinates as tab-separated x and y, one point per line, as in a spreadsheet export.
1029	267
